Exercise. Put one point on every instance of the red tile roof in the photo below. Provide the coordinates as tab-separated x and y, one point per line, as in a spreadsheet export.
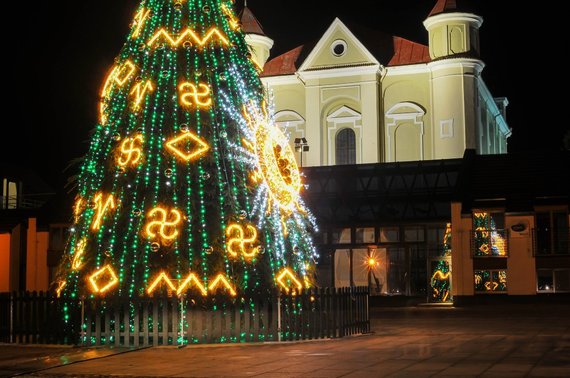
250	24
408	52
402	52
443	6
284	64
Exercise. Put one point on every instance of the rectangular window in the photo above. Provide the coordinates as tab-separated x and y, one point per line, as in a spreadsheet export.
397	271
414	234
365	236
551	233
489	238
340	236
553	280
439	241
490	281
389	235
9	195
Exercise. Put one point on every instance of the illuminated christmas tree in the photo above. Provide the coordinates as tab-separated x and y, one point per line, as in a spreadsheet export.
188	187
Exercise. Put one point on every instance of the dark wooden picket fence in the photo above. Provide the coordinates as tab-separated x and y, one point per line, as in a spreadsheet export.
33	318
162	320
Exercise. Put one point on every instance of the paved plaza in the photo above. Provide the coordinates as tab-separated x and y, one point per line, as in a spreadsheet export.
510	341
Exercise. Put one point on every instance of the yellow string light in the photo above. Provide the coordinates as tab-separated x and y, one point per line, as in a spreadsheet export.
77	262
190	281
277	162
112	279
130	151
221	280
287	273
161	277
78	208
167	224
189	91
188	35
232	19
101	208
119	75
200	147
239	242
140	91
140	20
61	285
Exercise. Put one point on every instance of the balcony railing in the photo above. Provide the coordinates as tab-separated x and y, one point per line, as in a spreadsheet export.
550	242
20	202
490	243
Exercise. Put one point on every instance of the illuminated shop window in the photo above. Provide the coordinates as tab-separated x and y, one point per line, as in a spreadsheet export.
490	281
489	238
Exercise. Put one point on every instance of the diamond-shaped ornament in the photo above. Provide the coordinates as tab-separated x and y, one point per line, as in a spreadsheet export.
188	146
103	279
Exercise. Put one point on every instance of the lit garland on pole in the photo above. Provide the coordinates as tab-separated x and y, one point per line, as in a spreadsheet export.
188	185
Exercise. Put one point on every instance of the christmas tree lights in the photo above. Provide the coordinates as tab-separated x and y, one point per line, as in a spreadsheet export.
188	185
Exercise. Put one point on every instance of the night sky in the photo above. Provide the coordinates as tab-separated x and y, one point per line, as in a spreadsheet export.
58	53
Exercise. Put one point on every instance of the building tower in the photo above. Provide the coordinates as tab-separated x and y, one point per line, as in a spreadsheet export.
456	70
259	43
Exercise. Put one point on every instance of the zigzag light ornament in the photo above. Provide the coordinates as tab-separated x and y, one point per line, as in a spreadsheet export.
192	282
188	35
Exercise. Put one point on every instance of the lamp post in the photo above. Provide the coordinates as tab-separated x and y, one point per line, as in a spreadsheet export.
301	146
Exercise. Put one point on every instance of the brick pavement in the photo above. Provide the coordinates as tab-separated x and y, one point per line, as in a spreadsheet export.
514	341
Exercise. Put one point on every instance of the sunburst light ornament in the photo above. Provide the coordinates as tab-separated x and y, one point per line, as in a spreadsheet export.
276	164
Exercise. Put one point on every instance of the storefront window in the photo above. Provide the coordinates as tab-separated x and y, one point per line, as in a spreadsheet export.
490	281
489	235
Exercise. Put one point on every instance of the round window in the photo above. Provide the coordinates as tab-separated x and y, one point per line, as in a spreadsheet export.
338	47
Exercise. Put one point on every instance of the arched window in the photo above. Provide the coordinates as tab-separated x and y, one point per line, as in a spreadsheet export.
345	147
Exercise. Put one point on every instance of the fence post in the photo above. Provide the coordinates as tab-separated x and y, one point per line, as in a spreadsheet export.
82	332
11	318
182	299
279	317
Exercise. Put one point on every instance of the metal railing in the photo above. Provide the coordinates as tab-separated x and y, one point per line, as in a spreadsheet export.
550	242
20	202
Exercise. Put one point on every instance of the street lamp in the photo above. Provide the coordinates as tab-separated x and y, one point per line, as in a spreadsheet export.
301	146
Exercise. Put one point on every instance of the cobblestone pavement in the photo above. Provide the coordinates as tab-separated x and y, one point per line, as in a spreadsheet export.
513	341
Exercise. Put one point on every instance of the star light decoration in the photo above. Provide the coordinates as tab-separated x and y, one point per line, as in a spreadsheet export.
274	177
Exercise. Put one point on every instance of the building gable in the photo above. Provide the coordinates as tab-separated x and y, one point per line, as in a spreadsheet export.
338	47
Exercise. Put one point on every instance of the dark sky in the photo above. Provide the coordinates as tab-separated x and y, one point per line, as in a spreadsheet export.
58	52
